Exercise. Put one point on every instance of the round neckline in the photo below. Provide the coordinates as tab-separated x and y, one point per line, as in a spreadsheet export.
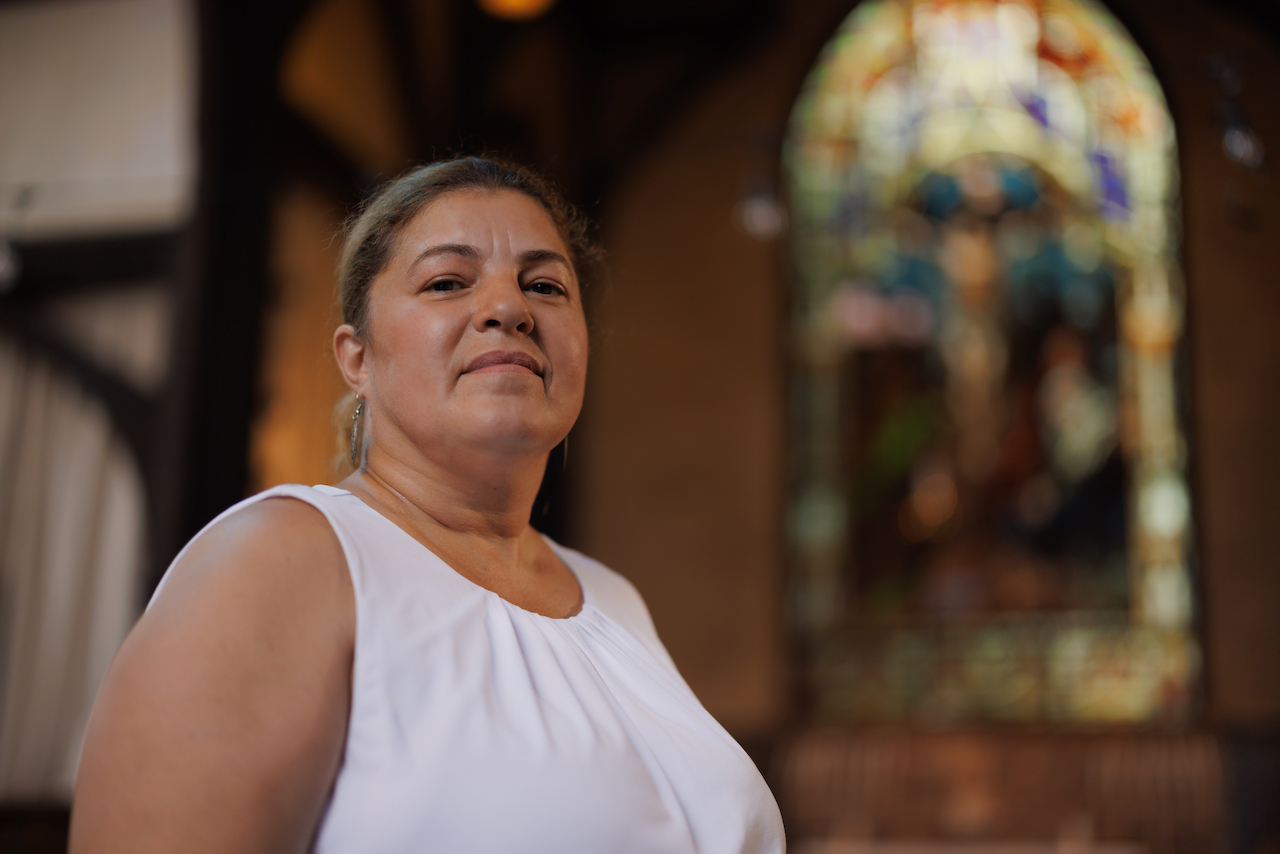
556	548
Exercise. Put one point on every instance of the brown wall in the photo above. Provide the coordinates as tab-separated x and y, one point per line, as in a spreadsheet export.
1231	235
684	480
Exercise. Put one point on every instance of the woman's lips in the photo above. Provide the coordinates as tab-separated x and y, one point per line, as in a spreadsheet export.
503	361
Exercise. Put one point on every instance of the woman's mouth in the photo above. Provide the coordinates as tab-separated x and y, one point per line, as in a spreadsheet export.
503	361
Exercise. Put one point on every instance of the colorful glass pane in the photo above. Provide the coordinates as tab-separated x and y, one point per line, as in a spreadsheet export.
990	516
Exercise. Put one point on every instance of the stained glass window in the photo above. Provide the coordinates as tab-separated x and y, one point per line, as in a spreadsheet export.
990	516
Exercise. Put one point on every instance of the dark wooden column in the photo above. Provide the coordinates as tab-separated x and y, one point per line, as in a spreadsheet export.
210	400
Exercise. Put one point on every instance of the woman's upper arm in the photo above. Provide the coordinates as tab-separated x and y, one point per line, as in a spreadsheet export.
221	723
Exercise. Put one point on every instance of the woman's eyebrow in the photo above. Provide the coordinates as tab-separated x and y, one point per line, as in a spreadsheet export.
463	249
533	256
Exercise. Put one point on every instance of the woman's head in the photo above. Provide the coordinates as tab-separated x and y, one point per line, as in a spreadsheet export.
461	288
373	233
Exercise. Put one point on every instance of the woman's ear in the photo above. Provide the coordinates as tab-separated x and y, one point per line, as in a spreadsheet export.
349	351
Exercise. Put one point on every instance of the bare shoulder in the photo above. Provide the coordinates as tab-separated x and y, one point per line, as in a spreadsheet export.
277	546
223	716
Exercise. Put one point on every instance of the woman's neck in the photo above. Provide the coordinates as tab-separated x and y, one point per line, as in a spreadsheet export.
476	519
478	494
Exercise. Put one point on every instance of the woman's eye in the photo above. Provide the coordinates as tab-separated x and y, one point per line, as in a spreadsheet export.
546	288
444	286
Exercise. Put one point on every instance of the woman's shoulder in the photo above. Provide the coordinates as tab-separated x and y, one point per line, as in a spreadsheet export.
272	553
266	528
274	524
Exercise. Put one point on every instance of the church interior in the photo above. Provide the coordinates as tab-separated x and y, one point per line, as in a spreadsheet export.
928	403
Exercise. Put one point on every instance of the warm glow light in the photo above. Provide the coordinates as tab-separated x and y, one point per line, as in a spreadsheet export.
934	500
515	10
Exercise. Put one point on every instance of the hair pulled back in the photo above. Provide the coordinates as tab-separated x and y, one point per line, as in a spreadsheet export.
373	231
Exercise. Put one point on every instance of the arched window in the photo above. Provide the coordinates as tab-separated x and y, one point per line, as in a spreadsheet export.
990	515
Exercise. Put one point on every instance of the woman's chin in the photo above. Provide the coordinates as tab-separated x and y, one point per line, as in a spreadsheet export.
514	429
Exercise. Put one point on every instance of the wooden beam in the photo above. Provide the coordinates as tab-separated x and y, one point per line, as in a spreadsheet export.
52	267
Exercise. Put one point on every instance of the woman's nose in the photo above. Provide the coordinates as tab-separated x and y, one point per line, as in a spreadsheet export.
503	305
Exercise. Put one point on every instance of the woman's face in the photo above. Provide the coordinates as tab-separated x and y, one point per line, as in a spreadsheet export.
476	334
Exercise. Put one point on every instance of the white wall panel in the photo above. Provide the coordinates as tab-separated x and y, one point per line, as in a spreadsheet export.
97	116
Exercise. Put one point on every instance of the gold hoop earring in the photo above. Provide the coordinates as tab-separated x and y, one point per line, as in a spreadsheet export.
355	432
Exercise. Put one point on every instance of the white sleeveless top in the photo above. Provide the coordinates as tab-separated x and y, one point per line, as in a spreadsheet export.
478	726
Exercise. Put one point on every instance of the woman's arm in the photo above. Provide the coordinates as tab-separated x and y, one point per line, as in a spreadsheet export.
221	723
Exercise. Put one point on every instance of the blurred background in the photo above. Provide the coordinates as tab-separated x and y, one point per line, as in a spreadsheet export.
933	403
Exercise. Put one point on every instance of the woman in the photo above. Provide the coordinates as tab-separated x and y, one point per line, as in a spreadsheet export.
401	663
